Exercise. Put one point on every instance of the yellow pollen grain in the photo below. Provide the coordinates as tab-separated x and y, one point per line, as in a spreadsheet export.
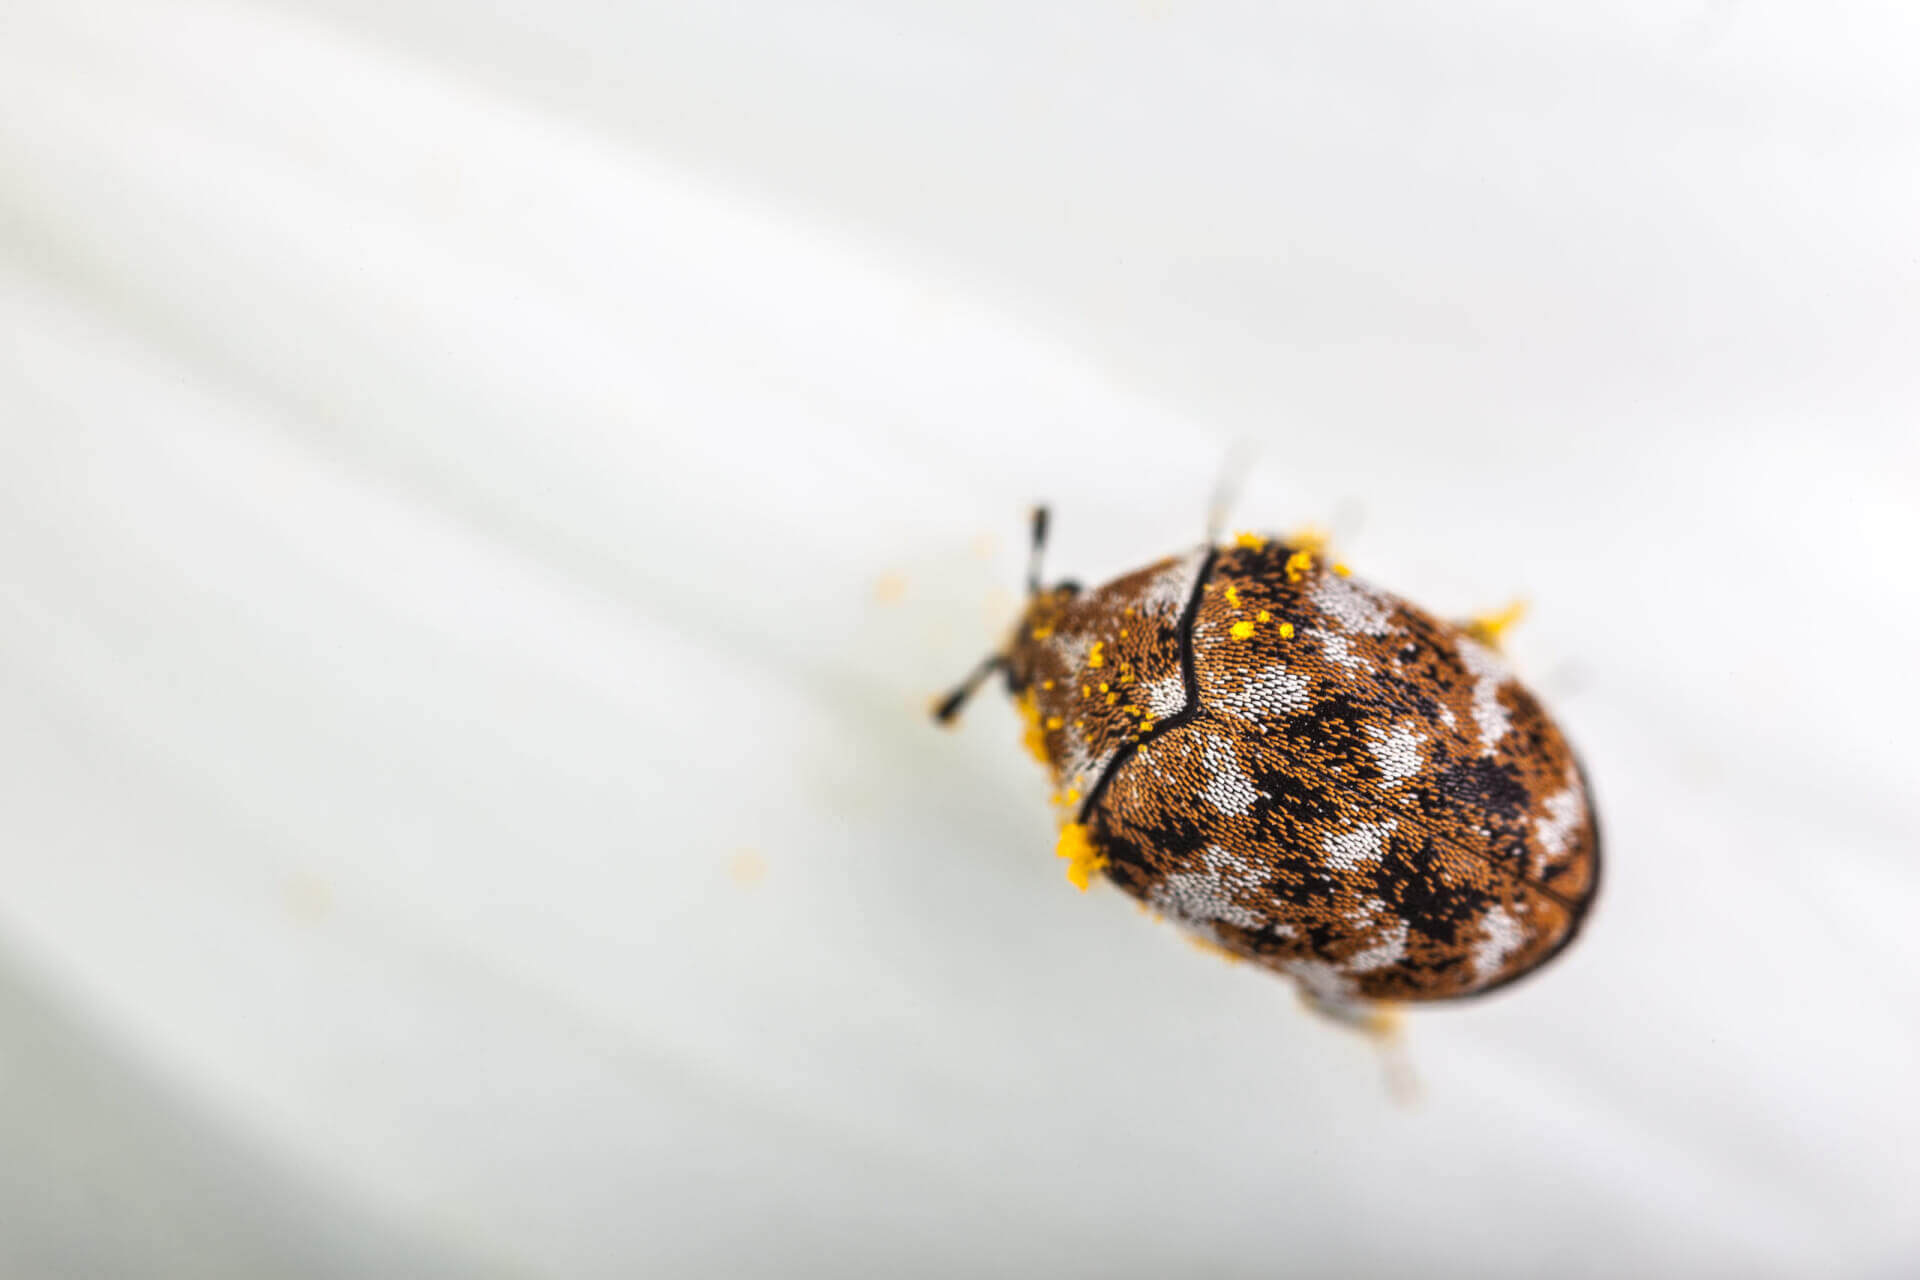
1251	541
1096	658
1054	722
1041	633
1112	698
1241	630
1083	859
1286	631
1046	684
1073	795
1233	596
1085	692
1262	616
1103	686
1341	569
1123	633
1297	565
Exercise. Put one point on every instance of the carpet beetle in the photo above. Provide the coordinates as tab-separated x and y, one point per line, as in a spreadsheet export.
1305	771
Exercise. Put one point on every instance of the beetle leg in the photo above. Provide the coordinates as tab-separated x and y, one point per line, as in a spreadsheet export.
1487	628
949	707
1384	1025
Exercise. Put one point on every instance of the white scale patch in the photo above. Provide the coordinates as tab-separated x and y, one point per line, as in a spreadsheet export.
1383	953
1359	609
1349	849
1270	691
1502	938
1489	672
1339	649
1322	981
1164	697
1228	789
1202	898
1397	753
1565	811
1170	589
1074	650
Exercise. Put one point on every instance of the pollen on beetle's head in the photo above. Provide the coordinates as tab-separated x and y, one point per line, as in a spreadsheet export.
1250	541
1083	857
1032	736
1032	635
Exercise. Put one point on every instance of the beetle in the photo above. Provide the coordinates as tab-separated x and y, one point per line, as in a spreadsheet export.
1303	770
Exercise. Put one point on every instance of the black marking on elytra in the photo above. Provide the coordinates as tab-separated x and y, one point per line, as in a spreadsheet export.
1492	787
1189	679
1409	878
1576	911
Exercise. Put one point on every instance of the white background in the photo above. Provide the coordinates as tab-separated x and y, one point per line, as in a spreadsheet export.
486	496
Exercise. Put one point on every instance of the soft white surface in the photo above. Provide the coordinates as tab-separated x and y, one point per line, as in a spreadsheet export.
452	461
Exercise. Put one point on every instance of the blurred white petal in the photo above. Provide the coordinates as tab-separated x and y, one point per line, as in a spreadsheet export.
466	806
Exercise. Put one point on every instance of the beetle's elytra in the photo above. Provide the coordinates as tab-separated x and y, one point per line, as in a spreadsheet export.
1305	770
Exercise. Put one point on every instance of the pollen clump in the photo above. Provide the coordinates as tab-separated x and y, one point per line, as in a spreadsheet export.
1286	631
1097	658
1031	735
1311	537
1298	563
1083	859
1054	722
1251	541
1241	630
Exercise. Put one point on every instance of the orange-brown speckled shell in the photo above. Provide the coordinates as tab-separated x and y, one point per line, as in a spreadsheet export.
1313	773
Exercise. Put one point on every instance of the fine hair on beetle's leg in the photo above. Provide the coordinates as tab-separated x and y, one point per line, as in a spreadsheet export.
1036	549
1234	466
949	706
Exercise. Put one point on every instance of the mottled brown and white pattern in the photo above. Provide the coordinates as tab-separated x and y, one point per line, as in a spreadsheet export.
1310	773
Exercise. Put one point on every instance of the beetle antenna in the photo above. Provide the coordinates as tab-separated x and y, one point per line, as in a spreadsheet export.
1226	490
950	705
1038	545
